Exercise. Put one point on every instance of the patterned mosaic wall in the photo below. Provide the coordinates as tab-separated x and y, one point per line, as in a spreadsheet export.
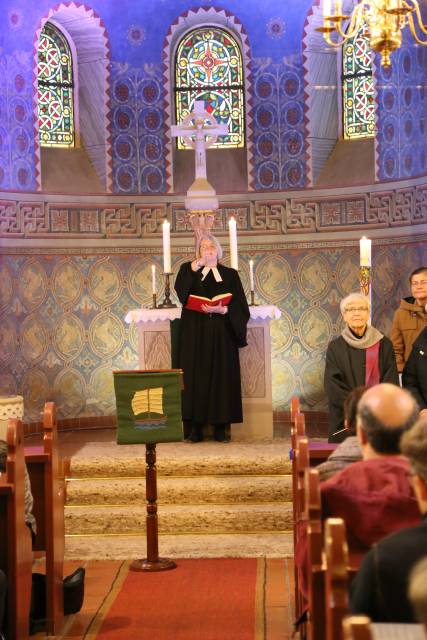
402	115
16	122
138	131
62	330
278	126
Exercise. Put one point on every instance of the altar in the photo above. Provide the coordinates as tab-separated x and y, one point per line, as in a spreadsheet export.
255	362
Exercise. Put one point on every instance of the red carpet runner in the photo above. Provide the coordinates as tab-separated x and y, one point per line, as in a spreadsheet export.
212	599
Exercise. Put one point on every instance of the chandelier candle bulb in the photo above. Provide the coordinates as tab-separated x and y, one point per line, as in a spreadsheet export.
166	247
232	226
365	252
326	8
153	279
251	274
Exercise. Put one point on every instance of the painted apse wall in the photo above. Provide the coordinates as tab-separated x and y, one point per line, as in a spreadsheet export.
134	40
70	267
63	330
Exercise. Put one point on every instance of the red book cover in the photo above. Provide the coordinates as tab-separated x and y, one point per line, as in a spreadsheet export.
194	303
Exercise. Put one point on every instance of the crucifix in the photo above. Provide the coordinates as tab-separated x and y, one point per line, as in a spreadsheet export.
199	134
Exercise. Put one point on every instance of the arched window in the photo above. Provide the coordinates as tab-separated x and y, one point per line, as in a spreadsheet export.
208	67
357	87
55	89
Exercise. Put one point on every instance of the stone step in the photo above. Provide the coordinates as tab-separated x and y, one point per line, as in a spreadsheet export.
184	459
122	547
178	490
173	519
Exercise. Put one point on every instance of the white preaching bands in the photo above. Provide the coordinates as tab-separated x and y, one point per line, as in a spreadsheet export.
215	272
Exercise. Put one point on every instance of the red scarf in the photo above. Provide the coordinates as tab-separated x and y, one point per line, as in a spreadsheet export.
372	368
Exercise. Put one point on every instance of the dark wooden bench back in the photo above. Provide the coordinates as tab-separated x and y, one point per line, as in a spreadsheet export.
316	627
15	538
357	628
300	462
295	408
48	492
336	577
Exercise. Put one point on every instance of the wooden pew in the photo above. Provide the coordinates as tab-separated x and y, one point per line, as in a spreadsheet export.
361	628
329	568
295	408
300	463
48	491
15	538
357	628
336	577
319	449
316	624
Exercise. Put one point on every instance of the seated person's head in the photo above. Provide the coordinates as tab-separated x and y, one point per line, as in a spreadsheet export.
418	590
384	413
413	445
350	409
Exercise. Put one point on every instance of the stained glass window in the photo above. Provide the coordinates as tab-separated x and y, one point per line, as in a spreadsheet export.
209	67
55	89
358	87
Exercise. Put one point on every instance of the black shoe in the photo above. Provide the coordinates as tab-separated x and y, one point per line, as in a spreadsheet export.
196	434
220	434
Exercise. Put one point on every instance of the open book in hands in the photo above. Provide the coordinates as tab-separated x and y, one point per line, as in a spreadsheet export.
195	302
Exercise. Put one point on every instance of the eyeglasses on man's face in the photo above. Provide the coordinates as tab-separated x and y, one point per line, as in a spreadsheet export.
419	283
356	310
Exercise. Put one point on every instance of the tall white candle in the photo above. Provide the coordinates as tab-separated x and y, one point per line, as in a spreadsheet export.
251	274
365	252
153	278
232	227
166	246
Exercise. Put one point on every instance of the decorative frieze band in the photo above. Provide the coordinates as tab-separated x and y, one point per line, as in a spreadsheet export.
255	215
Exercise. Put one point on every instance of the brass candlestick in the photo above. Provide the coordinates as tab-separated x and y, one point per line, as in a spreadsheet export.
252	302
154	301
167	302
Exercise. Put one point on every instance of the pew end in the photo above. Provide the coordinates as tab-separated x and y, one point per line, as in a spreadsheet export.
15	548
48	491
336	577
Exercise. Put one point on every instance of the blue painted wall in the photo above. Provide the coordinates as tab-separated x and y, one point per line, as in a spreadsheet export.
136	32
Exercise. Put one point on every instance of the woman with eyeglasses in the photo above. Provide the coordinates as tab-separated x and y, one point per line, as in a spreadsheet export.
360	356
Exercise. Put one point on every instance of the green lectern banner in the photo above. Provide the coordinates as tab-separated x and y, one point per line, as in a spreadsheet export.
148	406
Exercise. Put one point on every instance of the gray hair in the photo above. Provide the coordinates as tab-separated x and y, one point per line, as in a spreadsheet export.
417	591
211	238
352	297
414	446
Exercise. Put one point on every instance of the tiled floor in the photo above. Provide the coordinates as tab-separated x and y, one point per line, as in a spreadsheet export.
278	614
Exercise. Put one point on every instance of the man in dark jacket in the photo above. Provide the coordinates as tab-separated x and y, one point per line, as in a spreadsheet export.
410	318
415	372
380	589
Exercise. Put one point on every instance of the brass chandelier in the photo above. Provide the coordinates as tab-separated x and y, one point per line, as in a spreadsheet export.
385	20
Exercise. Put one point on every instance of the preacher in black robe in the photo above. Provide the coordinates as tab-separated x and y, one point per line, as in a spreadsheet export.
208	349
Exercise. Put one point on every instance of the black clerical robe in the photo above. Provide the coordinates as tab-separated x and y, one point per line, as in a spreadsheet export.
208	349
